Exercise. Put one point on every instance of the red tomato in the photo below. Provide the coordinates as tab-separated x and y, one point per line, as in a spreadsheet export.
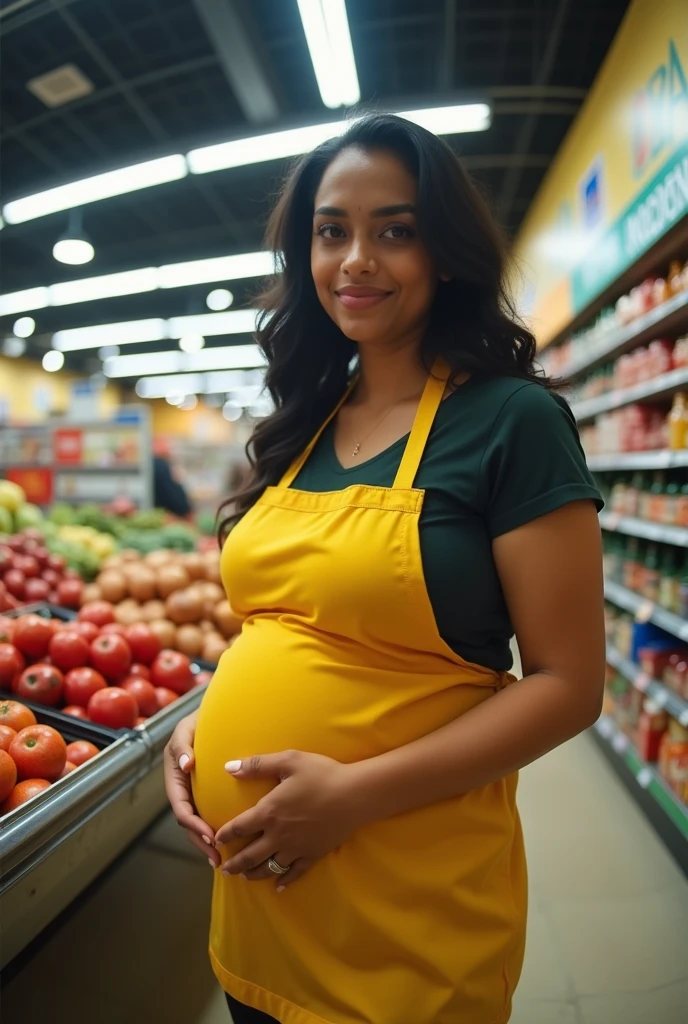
57	563
136	669
68	650
28	565
69	592
75	711
41	683
36	590
8	774
69	767
88	630
113	627
172	670
80	684
12	662
39	752
51	577
165	696
22	792
15	581
145	645
6	736
7	627
113	707
100	612
143	692
6	558
80	751
111	655
16	715
32	635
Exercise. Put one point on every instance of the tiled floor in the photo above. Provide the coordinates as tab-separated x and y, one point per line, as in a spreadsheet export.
608	933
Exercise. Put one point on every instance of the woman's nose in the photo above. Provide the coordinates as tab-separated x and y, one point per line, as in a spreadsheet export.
358	258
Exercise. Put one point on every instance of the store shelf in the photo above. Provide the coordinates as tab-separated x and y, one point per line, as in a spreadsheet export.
661	387
645	610
666	698
671	316
661	805
622	461
676	535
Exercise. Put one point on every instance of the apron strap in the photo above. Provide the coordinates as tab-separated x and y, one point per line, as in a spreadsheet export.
422	424
300	461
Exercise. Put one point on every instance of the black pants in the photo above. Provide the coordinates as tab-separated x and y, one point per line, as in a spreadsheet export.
246	1014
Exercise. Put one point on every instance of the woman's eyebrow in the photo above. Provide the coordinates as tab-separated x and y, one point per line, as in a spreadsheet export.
382	211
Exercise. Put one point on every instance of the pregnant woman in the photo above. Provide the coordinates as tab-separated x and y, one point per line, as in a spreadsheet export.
418	495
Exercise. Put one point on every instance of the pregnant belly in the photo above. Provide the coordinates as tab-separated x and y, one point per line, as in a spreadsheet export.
280	688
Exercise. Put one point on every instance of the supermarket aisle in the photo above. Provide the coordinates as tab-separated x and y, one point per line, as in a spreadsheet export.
607	938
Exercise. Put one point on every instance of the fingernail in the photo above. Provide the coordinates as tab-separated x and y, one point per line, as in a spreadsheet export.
212	863
206	840
232	767
281	888
226	872
183	761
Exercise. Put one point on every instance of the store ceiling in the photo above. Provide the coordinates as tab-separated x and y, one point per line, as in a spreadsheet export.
160	74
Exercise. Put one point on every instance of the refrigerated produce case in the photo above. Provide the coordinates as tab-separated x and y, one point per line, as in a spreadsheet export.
55	846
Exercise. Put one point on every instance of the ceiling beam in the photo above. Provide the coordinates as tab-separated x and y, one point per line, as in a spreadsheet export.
245	71
512	178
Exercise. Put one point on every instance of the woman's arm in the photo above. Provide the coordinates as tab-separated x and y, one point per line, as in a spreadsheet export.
551	574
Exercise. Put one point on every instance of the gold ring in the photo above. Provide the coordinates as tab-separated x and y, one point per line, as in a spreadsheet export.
276	868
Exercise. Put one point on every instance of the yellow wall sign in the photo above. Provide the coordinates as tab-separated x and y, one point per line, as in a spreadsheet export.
620	179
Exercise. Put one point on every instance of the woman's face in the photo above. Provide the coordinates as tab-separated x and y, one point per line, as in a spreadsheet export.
373	275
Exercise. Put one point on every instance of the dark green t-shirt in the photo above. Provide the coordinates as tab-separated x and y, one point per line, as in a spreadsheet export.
501	452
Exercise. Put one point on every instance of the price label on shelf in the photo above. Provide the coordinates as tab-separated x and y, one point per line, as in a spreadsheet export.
612	521
645	611
620	743
644	777
642	681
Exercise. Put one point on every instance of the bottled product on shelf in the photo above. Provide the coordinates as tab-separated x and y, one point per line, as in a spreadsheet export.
660	497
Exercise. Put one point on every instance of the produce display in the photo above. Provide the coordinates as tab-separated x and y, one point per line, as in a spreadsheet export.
94	668
30	572
33	756
178	595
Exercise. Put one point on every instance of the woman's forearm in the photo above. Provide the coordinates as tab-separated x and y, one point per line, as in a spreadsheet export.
494	739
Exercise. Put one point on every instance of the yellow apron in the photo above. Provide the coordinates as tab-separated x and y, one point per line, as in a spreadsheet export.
419	919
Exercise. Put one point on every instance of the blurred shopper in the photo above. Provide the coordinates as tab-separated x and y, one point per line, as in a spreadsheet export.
168	493
351	774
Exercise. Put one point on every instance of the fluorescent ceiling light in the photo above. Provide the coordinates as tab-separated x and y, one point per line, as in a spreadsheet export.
53	361
145	279
258	148
22	302
73	251
13	347
193	383
326	28
100	186
220	268
106	286
225	357
127	333
236	321
453	120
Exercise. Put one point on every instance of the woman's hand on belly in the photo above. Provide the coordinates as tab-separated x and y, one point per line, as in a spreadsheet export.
307	815
177	763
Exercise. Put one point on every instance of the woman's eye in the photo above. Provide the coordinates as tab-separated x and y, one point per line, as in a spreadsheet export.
330	231
398	231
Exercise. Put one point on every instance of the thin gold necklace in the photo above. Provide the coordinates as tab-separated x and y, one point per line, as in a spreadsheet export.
357	444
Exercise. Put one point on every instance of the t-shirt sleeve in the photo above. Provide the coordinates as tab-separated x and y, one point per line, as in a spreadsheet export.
534	461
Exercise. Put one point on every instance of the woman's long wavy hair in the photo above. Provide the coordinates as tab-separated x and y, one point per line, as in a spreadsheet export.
472	323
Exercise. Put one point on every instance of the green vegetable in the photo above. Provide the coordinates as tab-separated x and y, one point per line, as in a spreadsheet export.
28	515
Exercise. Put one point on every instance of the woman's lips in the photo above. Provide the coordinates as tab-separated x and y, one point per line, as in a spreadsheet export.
350	301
